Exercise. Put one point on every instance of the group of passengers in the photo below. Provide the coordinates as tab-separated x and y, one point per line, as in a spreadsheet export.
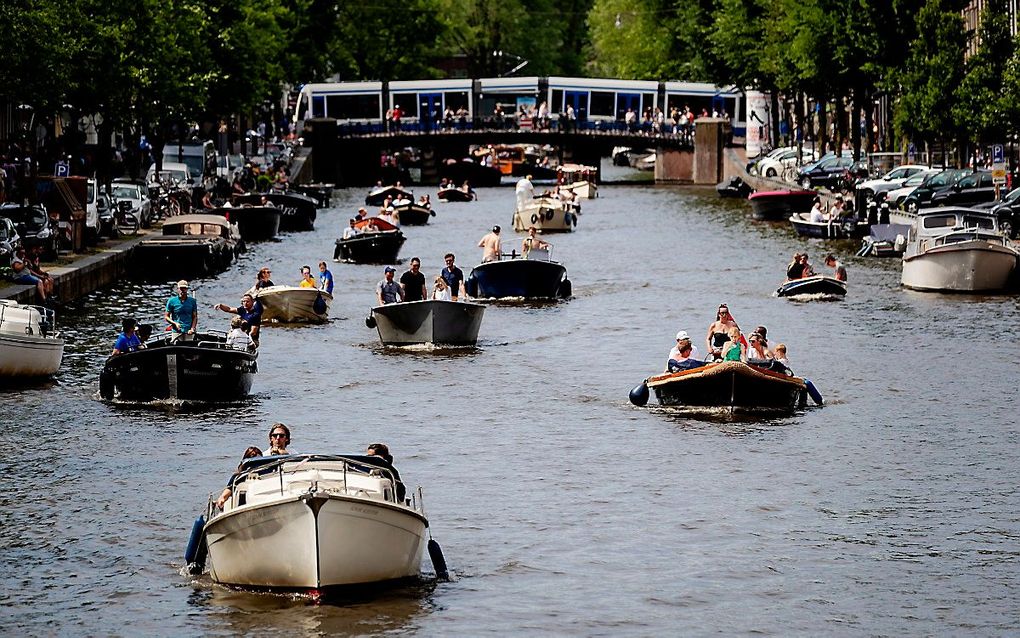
448	285
279	445
799	267
725	342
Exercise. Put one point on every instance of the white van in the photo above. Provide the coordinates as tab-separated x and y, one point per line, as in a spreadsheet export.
200	158
176	173
92	209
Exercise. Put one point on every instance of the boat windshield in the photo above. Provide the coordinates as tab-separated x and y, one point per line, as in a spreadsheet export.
193	228
973	221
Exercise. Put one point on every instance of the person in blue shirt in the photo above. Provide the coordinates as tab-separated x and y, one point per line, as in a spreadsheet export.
127	341
325	278
250	311
182	312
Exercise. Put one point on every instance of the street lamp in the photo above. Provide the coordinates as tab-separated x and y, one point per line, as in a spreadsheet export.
499	55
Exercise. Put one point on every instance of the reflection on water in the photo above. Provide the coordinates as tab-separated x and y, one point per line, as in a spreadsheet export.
891	510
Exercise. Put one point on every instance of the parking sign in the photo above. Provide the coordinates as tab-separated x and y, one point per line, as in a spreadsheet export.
998	164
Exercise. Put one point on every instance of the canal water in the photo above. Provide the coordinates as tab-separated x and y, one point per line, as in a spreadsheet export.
562	509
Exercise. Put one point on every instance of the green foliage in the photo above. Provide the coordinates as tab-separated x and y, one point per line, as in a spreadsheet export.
35	49
980	105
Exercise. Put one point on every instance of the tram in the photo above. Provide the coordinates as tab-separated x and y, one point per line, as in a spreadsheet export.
596	102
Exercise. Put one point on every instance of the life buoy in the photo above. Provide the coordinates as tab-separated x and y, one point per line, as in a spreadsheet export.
534	218
549	215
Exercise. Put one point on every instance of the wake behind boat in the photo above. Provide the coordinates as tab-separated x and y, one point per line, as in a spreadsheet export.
204	368
453	323
814	285
313	521
294	304
30	347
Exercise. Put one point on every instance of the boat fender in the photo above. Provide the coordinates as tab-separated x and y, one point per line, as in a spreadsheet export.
370	321
106	385
566	289
639	395
534	218
438	560
432	213
196	550
319	305
549	215
816	396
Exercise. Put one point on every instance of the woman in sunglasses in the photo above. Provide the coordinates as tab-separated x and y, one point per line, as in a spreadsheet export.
719	332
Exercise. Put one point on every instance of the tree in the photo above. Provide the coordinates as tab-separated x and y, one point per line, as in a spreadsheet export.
980	107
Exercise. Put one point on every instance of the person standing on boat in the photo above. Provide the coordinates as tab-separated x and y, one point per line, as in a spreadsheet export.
182	312
388	291
719	331
127	341
838	271
325	278
412	282
525	191
249	311
453	276
491	246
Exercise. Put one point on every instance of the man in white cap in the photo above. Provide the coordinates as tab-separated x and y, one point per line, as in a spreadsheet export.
683	340
182	312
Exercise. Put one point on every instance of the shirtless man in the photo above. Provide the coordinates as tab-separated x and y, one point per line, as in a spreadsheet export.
533	241
491	246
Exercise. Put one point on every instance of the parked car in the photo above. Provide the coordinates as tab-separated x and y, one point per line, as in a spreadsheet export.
921	196
227	166
776	165
975	188
135	192
1008	212
891	180
896	196
35	227
831	172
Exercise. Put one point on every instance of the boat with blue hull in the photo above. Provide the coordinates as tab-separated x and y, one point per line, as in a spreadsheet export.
534	276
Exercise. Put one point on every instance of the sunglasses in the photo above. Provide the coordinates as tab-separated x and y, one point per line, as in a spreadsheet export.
277	435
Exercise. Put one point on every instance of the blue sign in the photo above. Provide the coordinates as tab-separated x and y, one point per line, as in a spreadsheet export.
62	169
998	155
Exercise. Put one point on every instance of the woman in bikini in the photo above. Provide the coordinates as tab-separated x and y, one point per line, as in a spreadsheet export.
719	331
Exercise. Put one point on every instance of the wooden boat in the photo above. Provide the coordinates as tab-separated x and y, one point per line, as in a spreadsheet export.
294	304
957	250
30	345
313	521
204	368
190	246
453	323
378	243
579	179
414	214
534	276
547	215
730	384
828	230
299	211
454	194
254	223
778	205
815	285
378	195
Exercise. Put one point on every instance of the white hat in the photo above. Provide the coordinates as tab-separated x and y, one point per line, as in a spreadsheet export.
182	284
682	335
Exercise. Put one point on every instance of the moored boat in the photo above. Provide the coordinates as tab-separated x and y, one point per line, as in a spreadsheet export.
321	193
547	215
378	242
414	214
254	223
203	368
313	521
377	196
778	205
731	384
851	227
957	250
190	246
30	345
294	304
885	240
814	285
733	187
531	276
433	321
298	211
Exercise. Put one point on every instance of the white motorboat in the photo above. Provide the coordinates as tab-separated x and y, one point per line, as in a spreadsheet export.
311	521
546	214
957	250
294	304
578	179
29	344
